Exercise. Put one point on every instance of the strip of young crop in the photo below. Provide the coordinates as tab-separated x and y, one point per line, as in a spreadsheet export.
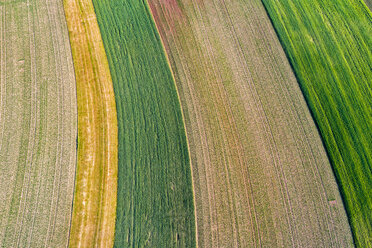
329	45
37	125
155	200
94	210
260	173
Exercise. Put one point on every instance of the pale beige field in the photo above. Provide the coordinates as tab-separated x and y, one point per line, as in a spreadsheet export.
94	211
368	3
38	124
261	176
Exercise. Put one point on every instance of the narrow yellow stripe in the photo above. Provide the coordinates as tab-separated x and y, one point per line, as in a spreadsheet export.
94	208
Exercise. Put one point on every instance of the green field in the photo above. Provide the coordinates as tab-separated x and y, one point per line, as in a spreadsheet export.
155	199
329	46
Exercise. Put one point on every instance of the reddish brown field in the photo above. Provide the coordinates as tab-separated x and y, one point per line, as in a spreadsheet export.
261	176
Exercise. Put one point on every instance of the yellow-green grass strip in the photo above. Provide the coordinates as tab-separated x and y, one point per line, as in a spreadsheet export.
155	199
94	207
329	46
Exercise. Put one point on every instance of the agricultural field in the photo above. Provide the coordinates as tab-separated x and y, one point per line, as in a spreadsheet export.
329	46
155	199
94	209
38	124
169	123
369	4
261	175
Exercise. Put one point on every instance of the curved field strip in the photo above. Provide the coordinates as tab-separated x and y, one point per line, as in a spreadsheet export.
261	174
155	203
94	210
329	45
37	125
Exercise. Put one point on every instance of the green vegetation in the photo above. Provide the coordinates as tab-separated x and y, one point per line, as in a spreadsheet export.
328	44
155	199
